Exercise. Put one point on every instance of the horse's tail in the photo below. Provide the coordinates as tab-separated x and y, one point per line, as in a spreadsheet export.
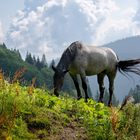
129	66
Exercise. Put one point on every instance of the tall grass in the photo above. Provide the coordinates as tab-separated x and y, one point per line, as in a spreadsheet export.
27	113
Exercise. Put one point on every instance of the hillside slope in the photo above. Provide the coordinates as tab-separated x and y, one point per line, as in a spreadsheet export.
27	113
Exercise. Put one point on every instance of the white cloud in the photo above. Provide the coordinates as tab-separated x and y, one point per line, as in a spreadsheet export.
47	26
1	34
117	27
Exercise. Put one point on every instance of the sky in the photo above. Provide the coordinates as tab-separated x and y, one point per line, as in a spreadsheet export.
8	11
49	26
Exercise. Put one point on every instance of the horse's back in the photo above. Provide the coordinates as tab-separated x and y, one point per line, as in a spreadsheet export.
92	60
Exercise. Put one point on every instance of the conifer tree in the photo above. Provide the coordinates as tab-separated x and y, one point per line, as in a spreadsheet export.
29	58
38	63
43	61
52	63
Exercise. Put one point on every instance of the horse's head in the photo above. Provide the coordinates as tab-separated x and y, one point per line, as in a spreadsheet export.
58	79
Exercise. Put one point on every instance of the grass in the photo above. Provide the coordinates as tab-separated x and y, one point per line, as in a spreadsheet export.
27	113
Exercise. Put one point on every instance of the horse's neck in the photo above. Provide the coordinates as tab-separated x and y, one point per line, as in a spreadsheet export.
66	60
64	64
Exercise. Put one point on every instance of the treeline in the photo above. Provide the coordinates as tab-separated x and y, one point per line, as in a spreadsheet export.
39	64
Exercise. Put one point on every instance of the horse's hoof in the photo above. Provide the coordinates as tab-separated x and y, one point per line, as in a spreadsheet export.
86	100
57	95
109	104
100	101
79	98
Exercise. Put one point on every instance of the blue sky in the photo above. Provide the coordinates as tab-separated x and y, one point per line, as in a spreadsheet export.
49	26
8	9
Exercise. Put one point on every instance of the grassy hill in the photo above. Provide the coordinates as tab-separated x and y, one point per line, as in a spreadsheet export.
27	113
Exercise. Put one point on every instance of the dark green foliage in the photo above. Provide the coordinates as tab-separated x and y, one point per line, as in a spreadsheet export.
36	61
44	61
38	64
10	61
29	59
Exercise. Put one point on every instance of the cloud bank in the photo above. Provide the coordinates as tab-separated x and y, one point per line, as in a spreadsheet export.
48	26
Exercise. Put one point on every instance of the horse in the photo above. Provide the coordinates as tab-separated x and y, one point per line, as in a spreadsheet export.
88	60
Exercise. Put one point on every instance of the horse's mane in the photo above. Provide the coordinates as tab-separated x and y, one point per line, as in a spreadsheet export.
72	49
69	54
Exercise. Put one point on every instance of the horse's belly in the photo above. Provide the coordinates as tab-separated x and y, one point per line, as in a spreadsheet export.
87	69
92	70
89	66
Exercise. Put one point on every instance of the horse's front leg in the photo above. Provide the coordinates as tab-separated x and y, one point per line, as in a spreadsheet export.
84	85
75	80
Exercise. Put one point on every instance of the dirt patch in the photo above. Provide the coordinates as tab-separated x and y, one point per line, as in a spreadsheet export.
71	132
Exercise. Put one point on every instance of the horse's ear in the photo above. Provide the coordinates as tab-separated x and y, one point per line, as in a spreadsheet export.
54	68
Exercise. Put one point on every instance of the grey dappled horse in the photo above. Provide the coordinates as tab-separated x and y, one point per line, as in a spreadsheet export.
87	60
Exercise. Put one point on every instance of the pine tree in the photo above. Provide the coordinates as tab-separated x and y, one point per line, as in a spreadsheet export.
43	61
3	46
34	60
29	58
38	63
52	64
17	53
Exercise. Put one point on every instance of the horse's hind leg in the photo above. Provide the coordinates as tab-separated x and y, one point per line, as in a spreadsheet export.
75	80
111	78
100	79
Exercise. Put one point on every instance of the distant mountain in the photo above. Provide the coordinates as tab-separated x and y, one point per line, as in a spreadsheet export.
128	48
